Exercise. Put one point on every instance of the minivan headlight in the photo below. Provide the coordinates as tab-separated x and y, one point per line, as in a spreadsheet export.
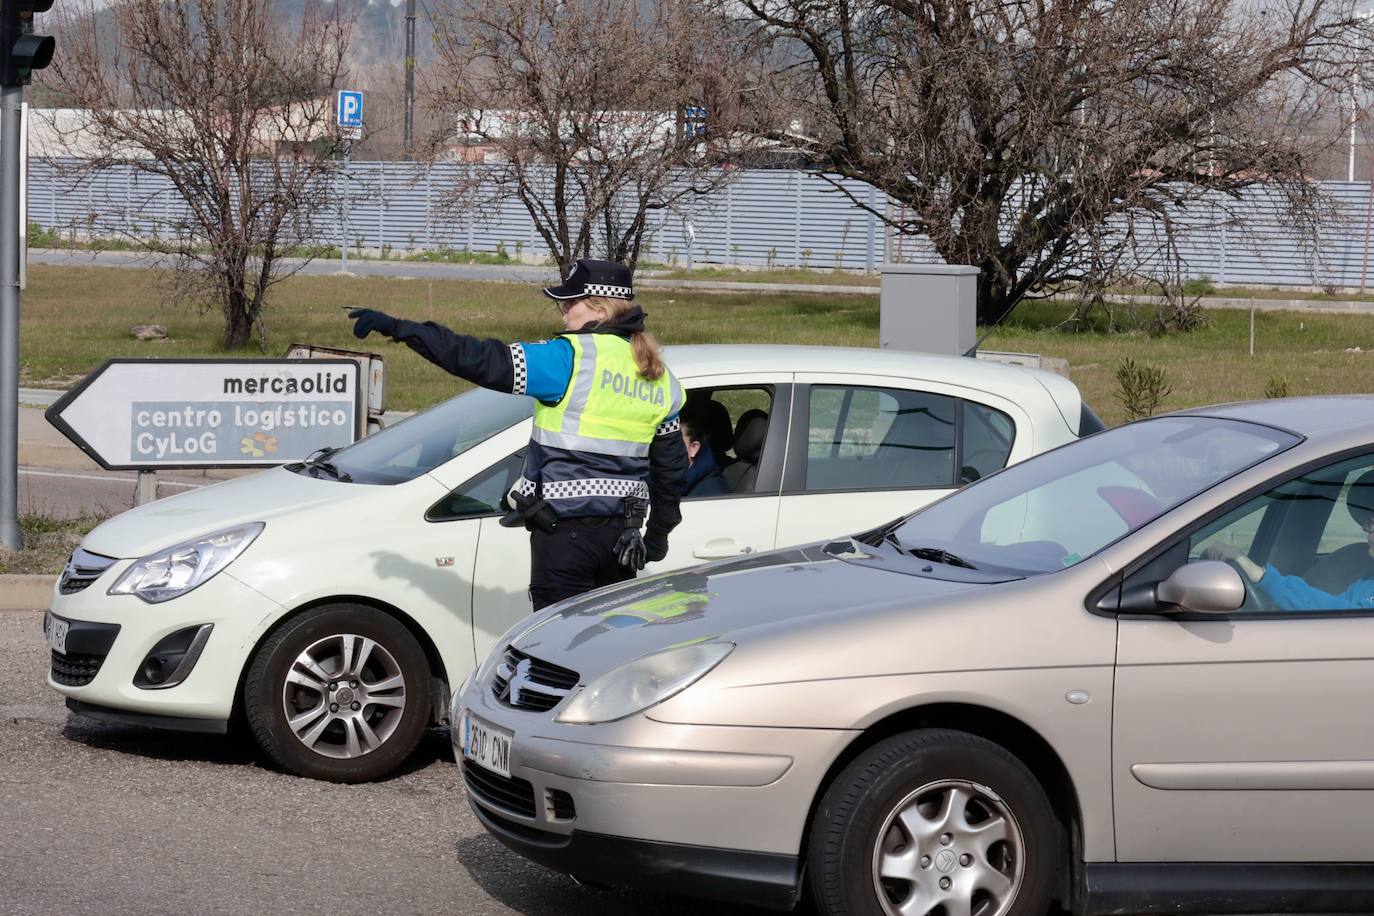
177	570
642	683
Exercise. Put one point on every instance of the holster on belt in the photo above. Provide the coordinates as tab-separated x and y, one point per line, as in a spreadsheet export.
529	511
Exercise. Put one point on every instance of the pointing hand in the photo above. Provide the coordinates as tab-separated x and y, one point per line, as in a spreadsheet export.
365	321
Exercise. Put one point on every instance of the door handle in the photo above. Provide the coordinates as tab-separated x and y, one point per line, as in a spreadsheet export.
719	549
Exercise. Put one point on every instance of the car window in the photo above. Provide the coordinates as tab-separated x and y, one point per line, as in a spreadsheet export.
733	423
419	444
986	437
864	438
1061	507
1309	537
481	495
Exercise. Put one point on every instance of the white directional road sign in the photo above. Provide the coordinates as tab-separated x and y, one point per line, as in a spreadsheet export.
162	413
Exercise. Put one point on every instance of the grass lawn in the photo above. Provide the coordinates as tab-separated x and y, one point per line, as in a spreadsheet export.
73	319
48	543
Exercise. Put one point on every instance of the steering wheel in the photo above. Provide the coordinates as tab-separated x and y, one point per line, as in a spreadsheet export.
1255	599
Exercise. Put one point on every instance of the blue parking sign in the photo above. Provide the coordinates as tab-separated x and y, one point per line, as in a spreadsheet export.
350	108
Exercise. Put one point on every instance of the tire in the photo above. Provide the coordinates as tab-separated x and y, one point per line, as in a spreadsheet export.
857	835
354	720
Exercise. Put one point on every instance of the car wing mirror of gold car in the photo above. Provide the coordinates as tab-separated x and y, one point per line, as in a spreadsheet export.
1203	587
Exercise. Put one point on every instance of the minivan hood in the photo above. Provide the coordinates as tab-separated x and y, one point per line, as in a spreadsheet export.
255	498
730	600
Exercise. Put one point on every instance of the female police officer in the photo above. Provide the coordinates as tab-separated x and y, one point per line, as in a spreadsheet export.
606	445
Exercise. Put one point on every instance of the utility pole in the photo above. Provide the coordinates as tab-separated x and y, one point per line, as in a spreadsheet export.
410	80
21	52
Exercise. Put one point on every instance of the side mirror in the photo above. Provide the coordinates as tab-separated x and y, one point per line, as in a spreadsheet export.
1204	586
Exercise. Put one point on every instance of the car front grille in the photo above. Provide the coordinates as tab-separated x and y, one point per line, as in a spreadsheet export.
508	794
81	570
525	682
75	670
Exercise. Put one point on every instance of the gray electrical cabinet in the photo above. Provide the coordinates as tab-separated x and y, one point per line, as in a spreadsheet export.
931	308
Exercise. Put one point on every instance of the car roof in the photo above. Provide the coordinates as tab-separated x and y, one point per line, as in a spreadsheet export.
723	359
1328	417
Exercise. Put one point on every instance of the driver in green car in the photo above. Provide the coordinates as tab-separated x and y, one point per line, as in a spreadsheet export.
1294	593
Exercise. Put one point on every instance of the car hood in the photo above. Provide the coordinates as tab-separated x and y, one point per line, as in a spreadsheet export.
255	498
730	600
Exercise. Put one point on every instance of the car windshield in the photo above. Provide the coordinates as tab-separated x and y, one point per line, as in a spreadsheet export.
1060	508
421	443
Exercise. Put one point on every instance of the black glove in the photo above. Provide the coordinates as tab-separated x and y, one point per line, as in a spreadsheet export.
365	321
528	512
629	549
655	546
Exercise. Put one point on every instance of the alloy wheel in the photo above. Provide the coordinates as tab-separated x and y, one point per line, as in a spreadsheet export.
344	696
949	848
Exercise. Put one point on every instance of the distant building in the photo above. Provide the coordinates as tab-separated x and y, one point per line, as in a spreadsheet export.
68	132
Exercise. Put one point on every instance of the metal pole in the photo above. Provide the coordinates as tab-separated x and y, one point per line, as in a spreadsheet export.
343	210
146	491
1368	215
410	80
872	204
1350	170
11	97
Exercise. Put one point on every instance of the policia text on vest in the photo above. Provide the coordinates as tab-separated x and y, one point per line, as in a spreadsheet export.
606	452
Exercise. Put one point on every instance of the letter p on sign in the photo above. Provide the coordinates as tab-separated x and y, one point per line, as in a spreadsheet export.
350	109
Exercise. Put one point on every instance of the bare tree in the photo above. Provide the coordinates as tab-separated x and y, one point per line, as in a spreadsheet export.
229	104
577	108
1045	142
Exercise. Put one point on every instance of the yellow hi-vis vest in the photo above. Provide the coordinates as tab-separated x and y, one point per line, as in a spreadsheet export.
590	451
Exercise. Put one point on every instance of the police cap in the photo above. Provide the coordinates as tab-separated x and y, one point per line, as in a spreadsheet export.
590	277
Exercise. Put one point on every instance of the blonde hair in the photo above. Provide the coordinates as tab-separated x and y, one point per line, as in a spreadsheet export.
646	349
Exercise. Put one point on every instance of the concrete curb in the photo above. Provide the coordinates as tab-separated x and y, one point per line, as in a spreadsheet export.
26	593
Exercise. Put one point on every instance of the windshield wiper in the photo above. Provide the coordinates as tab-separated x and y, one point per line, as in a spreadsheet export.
316	459
332	470
939	556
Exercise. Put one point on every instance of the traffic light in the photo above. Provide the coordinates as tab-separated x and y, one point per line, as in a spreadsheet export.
21	51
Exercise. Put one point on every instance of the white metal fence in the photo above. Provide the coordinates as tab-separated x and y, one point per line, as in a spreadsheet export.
765	217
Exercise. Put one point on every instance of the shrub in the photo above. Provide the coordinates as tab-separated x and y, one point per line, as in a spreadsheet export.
1140	389
1277	387
1199	286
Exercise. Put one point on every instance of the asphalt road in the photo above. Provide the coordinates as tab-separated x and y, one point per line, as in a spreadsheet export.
63	493
361	267
96	817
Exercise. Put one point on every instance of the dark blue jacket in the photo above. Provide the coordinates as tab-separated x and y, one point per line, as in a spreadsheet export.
542	370
704	477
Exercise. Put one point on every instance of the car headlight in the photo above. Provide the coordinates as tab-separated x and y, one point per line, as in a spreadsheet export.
175	571
643	683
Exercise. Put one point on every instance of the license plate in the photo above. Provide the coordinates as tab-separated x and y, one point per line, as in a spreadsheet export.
486	745
55	629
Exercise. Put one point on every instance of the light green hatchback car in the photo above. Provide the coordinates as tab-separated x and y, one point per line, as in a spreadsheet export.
1135	673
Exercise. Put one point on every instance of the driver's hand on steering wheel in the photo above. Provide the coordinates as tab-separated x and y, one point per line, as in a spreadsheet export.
1230	553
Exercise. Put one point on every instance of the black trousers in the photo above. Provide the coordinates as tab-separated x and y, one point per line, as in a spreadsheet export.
575	557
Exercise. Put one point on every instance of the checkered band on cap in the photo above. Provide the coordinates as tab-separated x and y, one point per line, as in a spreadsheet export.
668	427
595	486
603	289
521	378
